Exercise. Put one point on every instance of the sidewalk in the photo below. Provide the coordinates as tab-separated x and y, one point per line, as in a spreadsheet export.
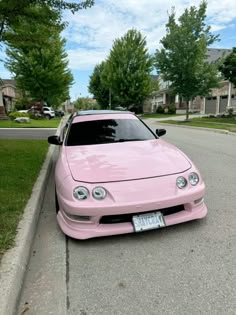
182	117
15	261
179	117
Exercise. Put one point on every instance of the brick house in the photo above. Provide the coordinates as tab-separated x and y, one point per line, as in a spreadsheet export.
9	93
216	102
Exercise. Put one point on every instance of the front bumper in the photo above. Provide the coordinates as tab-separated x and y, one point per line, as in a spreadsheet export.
155	194
88	230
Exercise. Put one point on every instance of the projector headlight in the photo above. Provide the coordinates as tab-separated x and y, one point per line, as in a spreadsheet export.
99	193
80	193
193	179
181	182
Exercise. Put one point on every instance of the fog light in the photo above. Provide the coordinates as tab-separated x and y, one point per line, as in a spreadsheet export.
198	200
75	217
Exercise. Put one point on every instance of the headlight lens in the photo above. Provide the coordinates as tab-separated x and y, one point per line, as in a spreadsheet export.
80	193
193	179
181	182
99	193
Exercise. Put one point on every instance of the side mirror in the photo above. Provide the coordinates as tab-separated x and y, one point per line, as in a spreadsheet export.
54	140
160	132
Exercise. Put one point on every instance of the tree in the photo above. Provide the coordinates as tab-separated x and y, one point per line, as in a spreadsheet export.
127	70
97	87
40	67
154	87
13	10
228	68
85	103
182	60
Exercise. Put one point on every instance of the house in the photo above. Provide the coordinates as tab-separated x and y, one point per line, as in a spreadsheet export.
68	106
216	102
9	93
158	98
219	99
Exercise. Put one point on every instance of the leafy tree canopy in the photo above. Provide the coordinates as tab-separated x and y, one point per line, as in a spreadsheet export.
127	70
228	68
182	60
85	103
41	70
97	87
13	10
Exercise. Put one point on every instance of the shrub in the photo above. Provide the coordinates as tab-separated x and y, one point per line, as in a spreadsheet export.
166	110
136	109
14	115
230	112
160	110
172	109
36	115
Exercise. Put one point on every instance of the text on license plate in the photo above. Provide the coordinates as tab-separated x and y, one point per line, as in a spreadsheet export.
148	221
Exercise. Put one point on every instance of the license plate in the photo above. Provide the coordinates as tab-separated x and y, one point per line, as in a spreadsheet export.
148	221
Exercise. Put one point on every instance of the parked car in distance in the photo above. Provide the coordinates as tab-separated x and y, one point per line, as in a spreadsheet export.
59	113
114	175
48	112
120	108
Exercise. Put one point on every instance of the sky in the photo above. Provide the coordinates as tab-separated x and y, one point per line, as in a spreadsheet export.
90	33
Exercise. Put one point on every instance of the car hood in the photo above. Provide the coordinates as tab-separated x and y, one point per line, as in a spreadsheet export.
125	161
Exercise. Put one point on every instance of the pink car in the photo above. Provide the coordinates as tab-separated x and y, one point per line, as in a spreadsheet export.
114	176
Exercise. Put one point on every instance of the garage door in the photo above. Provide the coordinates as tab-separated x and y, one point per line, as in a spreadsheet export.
210	107
223	103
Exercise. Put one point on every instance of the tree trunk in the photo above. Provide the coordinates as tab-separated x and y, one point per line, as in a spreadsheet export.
187	109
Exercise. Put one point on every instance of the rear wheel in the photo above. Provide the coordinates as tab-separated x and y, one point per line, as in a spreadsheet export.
56	202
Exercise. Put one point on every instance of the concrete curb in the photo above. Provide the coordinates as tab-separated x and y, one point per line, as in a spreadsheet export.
14	262
222	131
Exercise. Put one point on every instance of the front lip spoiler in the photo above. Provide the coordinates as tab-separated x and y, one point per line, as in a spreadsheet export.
82	231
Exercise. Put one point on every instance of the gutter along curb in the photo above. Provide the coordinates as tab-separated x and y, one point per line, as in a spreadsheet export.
222	131
15	261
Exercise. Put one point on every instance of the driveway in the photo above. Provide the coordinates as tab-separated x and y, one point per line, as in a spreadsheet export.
183	269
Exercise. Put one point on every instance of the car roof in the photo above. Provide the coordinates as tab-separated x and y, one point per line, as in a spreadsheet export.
101	112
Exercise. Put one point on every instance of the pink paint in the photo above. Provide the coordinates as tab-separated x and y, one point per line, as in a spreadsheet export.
138	176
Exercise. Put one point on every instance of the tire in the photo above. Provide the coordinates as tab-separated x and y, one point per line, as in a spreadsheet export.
47	117
56	202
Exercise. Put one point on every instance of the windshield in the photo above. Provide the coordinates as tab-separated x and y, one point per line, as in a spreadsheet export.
108	131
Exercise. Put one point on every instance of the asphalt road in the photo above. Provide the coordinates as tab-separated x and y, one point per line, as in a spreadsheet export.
185	269
26	133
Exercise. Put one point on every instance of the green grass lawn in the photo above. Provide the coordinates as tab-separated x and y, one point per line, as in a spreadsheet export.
21	161
40	123
216	123
155	115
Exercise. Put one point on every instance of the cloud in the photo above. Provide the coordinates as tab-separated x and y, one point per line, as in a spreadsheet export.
91	32
84	59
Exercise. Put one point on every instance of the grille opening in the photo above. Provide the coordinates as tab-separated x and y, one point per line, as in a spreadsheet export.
127	217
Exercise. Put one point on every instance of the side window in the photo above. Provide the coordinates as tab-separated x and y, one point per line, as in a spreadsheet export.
65	128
